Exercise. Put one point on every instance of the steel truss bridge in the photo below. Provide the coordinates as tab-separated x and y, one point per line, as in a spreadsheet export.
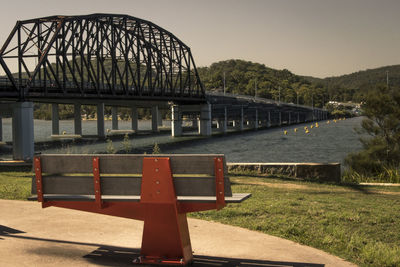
98	56
119	61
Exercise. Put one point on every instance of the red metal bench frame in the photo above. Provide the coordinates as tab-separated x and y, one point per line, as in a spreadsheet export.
166	237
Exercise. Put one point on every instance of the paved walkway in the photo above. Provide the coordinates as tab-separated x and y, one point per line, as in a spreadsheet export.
32	236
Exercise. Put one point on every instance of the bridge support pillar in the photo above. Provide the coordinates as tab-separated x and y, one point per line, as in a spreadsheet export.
223	126
114	118
269	119
77	119
280	118
290	118
298	117
22	125
134	116
241	121
256	120
309	116
223	123
205	120
100	120
154	118
176	123
1	129
195	123
159	118
55	121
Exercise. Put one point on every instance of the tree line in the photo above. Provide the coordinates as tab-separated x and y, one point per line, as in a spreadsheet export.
254	79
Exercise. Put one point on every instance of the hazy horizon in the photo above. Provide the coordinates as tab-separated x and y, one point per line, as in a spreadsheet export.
307	37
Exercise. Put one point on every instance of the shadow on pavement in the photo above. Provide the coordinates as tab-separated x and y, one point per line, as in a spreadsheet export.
117	256
120	256
4	230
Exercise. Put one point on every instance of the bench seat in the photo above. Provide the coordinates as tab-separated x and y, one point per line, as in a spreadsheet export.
235	198
158	189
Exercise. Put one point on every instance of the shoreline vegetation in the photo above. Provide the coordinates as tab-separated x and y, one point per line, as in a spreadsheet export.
355	222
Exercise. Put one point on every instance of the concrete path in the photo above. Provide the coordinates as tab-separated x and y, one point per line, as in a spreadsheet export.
32	236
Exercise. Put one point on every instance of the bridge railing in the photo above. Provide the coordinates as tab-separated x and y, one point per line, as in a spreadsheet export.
258	100
36	87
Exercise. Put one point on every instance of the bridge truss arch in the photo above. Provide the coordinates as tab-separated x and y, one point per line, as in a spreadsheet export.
97	56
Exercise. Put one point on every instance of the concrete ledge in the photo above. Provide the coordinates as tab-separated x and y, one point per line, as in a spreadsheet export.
66	136
109	131
327	172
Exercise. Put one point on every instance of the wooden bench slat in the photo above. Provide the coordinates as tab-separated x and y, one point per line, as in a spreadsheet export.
116	185
235	198
126	164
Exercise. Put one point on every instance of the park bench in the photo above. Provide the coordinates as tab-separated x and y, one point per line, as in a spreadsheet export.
158	189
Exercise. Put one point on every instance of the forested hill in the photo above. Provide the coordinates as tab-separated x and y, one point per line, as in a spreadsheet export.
357	83
245	77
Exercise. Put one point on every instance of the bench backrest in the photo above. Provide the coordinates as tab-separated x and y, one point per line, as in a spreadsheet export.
193	175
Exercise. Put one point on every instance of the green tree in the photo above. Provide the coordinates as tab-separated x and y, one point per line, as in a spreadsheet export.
381	149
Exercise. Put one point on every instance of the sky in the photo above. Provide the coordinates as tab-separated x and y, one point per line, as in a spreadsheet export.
319	38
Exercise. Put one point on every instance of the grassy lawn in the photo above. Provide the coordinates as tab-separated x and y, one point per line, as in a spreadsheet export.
360	224
15	185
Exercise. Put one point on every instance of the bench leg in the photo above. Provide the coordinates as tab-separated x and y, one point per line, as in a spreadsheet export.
166	237
165	234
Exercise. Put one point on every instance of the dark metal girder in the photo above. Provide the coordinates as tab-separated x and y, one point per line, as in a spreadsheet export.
68	43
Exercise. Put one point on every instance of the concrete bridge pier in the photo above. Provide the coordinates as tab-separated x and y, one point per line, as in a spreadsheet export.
114	117
269	119
1	129
176	121
77	119
55	121
100	120
222	125
256	119
223	122
159	118
241	121
205	120
280	118
290	118
309	116
22	131
218	124
154	118
195	123
298	117
134	116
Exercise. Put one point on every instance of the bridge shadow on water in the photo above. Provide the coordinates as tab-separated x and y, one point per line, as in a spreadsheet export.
121	256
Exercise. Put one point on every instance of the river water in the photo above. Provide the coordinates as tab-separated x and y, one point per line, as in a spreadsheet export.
327	143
